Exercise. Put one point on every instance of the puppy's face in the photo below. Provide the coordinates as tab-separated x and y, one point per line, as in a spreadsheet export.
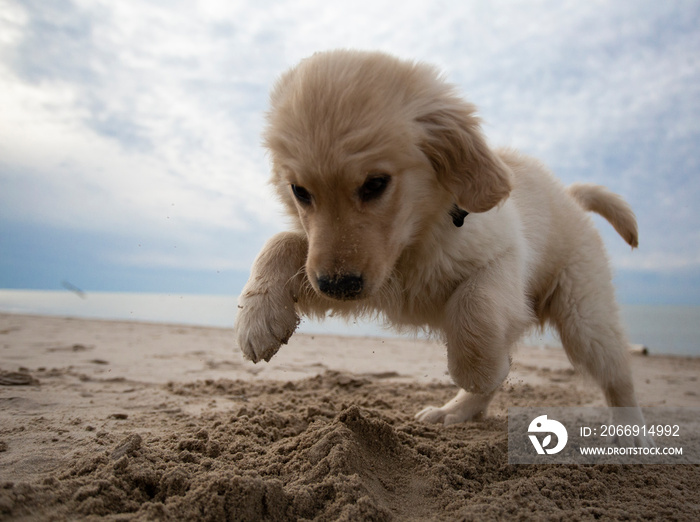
359	215
369	153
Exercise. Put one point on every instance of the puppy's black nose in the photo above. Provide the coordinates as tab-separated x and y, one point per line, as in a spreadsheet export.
341	286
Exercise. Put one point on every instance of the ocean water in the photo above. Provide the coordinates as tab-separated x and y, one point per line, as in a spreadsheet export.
663	329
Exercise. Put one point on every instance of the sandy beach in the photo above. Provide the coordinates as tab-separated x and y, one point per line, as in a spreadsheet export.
136	421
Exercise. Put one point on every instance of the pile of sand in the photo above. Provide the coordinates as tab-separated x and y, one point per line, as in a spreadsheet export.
334	446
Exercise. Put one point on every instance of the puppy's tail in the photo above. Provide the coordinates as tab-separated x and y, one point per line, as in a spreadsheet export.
612	207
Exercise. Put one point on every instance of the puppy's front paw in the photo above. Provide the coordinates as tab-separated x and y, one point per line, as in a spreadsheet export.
263	325
462	408
431	415
435	415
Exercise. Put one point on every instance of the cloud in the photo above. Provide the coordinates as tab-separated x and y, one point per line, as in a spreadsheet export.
126	134
144	118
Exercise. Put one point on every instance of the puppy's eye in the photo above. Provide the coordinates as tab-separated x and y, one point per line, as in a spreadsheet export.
373	187
302	195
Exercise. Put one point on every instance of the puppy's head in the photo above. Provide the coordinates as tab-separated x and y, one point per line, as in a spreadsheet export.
369	154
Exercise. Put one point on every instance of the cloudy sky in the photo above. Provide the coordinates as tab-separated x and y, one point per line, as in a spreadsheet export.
130	156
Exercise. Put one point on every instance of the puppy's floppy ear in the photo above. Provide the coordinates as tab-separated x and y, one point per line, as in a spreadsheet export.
464	163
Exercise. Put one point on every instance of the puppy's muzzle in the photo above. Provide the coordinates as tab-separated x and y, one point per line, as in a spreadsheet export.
343	287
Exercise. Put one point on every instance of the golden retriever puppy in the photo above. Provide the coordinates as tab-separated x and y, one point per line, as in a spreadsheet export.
400	209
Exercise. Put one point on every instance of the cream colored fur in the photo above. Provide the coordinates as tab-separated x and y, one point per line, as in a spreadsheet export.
527	253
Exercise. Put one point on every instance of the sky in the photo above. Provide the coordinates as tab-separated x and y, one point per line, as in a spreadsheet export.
130	149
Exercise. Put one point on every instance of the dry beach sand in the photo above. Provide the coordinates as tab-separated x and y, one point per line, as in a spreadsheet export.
132	421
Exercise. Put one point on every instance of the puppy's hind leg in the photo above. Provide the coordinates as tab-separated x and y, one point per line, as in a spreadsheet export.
584	311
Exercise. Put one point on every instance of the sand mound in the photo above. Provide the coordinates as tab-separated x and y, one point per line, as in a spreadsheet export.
332	447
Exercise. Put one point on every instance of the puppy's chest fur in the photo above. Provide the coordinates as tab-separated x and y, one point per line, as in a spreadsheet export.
425	278
415	294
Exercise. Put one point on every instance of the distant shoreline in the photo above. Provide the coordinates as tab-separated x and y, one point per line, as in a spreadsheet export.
664	329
